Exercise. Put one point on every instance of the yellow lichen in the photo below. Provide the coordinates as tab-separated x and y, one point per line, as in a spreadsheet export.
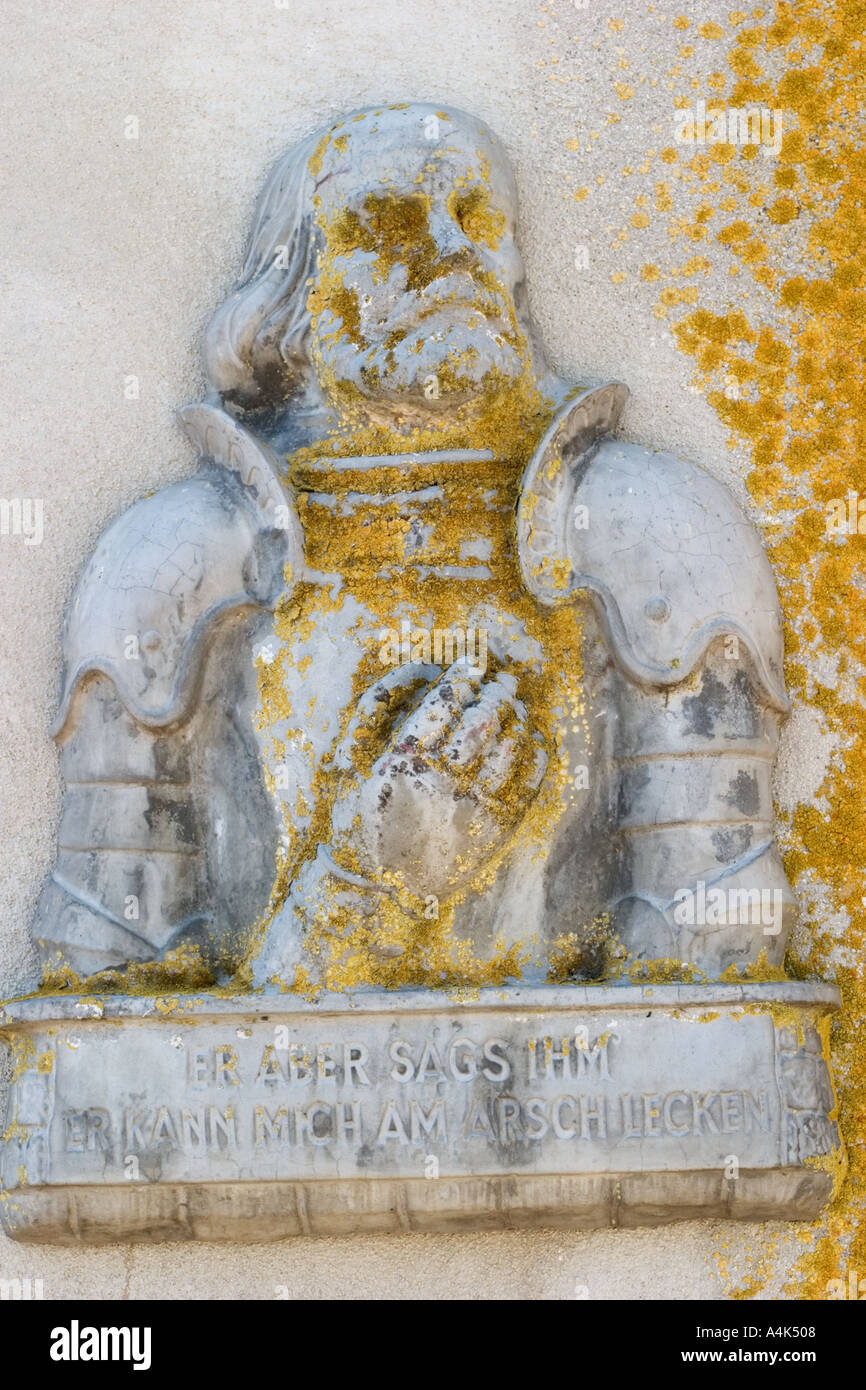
801	409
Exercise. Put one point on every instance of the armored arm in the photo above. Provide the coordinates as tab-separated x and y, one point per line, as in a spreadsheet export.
684	597
167	833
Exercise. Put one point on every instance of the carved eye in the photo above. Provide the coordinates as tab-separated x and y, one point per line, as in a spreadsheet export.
461	214
463	207
475	217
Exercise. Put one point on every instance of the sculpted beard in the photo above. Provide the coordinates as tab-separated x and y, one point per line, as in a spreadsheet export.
439	343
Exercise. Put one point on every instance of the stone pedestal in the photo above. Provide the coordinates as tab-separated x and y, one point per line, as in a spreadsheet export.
254	1118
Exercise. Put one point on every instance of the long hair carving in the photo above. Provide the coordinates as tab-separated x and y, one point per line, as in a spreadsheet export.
255	353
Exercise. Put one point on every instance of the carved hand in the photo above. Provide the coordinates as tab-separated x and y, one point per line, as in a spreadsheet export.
458	770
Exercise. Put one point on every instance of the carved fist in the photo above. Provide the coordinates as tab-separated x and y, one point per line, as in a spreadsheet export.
458	771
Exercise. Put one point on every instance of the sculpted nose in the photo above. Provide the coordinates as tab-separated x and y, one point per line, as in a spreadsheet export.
452	242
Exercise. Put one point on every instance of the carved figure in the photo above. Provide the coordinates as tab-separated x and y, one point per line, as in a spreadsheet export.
426	677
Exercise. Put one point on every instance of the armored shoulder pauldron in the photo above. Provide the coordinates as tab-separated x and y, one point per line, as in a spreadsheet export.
670	560
172	565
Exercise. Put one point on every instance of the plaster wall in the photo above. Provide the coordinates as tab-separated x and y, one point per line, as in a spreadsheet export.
116	250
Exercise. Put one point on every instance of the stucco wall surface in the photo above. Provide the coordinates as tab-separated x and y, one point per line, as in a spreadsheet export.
116	251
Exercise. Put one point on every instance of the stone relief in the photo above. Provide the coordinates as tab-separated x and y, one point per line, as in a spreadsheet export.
476	751
431	697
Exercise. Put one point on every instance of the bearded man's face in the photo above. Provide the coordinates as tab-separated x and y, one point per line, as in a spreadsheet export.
413	304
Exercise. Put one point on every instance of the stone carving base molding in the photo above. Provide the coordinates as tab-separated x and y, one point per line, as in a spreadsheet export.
256	1118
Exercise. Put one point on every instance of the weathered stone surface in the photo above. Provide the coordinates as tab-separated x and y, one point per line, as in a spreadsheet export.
422	644
256	1118
425	681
